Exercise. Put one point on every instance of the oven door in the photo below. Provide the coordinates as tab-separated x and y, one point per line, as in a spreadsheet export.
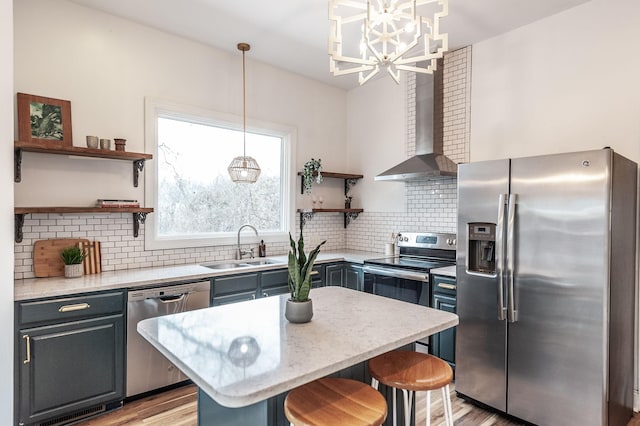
401	284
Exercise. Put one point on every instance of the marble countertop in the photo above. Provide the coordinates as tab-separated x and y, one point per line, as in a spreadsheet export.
241	362
448	271
34	288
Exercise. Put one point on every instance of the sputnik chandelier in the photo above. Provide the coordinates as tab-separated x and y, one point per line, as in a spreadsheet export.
367	35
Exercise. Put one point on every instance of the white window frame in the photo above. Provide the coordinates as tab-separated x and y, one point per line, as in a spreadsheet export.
155	108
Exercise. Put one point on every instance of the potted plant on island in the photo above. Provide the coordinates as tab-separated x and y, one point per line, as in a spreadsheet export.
72	257
299	308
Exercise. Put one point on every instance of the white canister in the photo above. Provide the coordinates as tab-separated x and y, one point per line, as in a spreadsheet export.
389	249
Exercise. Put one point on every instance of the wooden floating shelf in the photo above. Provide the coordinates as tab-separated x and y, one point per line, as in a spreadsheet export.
28	210
80	151
336	175
139	215
349	214
350	179
19	147
330	210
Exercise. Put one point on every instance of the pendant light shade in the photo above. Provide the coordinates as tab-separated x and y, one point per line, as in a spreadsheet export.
244	169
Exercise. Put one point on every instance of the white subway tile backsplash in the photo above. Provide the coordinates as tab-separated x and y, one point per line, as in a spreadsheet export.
430	205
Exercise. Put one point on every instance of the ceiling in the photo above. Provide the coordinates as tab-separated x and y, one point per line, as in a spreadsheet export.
292	34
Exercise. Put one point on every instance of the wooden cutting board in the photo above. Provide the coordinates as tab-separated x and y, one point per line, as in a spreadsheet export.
46	256
93	262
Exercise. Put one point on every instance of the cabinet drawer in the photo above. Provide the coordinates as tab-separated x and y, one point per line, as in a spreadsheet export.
235	284
70	308
279	278
444	285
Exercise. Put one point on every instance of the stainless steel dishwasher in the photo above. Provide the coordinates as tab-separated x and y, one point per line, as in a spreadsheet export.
148	369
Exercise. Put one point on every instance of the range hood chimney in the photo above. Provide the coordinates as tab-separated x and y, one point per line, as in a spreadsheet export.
429	160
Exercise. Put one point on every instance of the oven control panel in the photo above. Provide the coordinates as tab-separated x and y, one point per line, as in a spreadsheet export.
427	240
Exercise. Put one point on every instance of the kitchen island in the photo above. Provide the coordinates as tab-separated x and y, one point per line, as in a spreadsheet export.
244	357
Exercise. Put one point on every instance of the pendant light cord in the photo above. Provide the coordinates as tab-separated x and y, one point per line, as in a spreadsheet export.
244	109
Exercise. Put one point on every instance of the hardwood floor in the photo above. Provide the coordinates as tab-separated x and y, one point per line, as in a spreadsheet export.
178	407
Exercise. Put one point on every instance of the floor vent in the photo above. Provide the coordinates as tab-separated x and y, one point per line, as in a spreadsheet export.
72	417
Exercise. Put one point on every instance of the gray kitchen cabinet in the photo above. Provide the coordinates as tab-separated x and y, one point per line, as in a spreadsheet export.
69	357
345	274
234	288
334	274
242	287
318	276
353	276
273	283
443	344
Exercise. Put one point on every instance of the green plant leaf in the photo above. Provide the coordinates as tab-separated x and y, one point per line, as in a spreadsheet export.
308	267
293	265
73	255
302	259
300	268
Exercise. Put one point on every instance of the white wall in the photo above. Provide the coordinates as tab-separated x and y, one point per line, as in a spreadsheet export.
377	139
6	212
566	83
106	66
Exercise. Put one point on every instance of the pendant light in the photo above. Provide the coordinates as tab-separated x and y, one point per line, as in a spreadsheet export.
244	169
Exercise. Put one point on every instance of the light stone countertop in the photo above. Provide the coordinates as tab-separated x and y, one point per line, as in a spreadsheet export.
348	327
447	271
34	288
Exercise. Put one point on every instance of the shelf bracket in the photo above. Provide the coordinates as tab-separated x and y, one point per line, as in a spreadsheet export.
349	216
138	218
138	166
348	184
17	166
19	222
304	217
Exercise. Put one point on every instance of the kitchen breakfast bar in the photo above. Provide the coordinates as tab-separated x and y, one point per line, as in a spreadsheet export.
245	357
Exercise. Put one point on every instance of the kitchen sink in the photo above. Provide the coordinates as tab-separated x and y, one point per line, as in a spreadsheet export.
227	265
242	264
263	262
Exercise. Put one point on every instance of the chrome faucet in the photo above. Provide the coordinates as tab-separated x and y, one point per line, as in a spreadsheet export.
239	251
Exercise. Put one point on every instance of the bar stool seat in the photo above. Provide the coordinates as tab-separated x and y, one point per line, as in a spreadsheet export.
411	372
334	401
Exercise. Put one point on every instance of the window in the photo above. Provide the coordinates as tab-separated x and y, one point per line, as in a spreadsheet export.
196	202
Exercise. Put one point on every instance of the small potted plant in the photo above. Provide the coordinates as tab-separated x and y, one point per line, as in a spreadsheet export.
310	168
72	257
299	308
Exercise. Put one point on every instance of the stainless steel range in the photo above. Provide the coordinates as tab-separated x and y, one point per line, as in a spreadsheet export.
406	276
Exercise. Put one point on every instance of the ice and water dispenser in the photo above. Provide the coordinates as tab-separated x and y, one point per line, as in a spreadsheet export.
482	244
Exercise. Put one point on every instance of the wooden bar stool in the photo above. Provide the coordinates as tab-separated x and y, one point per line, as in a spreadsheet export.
411	372
333	401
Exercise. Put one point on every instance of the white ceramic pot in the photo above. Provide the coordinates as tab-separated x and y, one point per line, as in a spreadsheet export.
73	271
298	312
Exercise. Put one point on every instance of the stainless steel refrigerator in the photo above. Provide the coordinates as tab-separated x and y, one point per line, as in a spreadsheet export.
546	261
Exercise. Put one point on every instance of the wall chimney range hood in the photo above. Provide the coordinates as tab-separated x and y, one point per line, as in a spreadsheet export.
429	160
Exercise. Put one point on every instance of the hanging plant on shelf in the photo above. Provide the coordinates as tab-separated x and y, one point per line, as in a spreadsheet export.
310	167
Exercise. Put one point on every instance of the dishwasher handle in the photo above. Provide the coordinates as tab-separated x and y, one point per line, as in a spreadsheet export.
171	299
168	294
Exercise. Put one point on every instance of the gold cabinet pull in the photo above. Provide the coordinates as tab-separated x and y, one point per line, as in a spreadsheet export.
447	286
28	360
314	273
76	307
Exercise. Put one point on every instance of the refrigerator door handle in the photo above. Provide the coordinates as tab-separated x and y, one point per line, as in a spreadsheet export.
512	313
500	256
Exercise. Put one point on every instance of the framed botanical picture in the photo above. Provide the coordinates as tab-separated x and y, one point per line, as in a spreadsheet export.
44	120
